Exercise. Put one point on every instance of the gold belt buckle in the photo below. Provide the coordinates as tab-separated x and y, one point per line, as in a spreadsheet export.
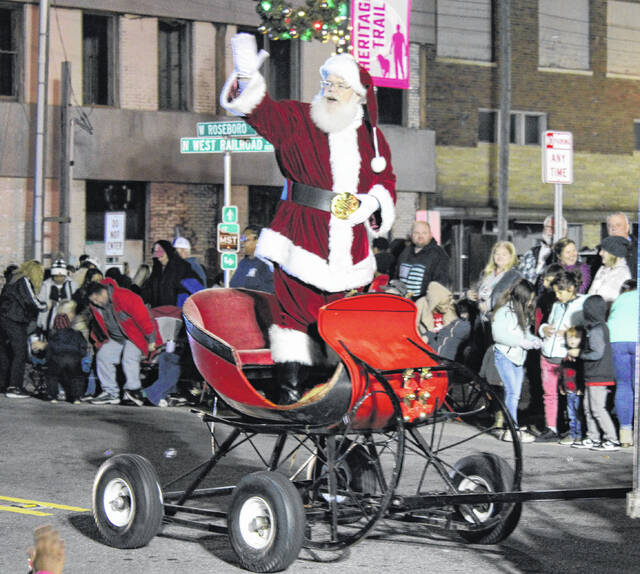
344	204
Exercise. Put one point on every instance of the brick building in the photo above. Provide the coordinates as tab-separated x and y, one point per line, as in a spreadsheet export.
143	75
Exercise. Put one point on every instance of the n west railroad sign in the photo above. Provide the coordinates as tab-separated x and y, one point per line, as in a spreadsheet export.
224	144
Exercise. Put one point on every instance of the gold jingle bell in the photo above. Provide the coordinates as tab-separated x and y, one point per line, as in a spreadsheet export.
344	204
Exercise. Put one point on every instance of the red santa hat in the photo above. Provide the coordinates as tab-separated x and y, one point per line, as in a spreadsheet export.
360	81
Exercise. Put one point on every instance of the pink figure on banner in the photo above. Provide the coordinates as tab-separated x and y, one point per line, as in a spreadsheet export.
398	46
385	65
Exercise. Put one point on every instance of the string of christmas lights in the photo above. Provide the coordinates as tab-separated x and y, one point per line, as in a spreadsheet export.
324	20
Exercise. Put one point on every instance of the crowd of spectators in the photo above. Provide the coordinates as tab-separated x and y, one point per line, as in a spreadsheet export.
541	318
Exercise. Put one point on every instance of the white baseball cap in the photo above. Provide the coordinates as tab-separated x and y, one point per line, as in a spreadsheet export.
181	243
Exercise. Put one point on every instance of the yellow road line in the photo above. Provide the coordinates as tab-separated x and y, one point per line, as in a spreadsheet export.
45	504
24	511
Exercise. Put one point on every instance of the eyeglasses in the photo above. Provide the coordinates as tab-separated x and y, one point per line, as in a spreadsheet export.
326	85
248	238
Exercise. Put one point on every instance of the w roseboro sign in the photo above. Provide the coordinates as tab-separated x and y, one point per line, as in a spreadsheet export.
380	39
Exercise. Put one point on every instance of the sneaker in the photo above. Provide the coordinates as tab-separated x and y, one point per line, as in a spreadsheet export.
62	396
567	441
162	403
15	393
607	445
549	435
585	443
523	435
105	398
86	399
136	397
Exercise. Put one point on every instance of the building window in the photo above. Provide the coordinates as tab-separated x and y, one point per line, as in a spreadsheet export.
466	30
103	196
280	76
526	128
173	64
10	35
97	60
563	34
487	126
636	133
623	31
390	106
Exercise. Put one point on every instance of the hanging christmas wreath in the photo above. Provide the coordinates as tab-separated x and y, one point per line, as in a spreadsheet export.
324	20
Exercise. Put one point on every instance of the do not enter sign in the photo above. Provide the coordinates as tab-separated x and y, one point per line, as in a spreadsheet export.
557	157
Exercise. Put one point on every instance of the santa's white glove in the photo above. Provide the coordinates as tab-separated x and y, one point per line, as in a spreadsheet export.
368	204
246	59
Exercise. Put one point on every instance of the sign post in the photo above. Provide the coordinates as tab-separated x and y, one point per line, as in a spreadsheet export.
226	137
557	168
114	235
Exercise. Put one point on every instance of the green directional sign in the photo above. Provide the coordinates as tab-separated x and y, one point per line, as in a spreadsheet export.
233	128
222	145
229	261
230	214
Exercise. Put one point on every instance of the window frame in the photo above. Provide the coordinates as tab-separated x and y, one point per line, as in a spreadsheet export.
519	118
491	60
17	28
185	55
558	65
112	53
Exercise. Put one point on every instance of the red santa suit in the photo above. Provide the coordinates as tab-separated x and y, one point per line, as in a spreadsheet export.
319	256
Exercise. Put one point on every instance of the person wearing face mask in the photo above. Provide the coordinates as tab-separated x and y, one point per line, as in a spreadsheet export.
535	260
339	192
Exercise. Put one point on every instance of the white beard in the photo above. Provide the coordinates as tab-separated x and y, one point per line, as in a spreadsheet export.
331	120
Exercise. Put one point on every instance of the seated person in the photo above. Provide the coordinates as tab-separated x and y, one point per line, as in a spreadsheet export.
438	323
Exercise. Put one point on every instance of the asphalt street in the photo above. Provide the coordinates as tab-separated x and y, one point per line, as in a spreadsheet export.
50	454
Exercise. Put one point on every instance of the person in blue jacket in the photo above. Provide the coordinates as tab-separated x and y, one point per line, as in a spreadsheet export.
252	272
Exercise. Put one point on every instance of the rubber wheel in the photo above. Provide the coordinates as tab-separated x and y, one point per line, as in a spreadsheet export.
127	501
266	522
486	472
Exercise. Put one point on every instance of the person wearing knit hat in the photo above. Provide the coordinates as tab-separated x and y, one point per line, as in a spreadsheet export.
57	288
614	270
339	193
183	248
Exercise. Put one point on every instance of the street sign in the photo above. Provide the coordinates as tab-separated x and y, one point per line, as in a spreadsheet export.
230	214
557	157
228	237
229	261
114	233
222	145
232	128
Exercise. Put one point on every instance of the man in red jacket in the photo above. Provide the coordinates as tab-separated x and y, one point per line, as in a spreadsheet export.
123	331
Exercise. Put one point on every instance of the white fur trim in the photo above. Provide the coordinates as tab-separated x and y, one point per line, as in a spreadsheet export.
387	209
250	97
344	66
338	274
290	345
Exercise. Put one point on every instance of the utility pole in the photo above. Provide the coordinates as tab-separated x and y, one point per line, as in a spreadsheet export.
505	119
41	130
66	159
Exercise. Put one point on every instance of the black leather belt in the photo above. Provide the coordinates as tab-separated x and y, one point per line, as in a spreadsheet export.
310	196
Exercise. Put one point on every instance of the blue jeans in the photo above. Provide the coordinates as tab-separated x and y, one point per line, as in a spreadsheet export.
573	410
511	376
168	377
624	361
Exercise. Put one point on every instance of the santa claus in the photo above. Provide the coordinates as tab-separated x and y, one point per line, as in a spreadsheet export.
339	192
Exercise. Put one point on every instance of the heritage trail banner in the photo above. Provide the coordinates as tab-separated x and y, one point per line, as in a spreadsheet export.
380	38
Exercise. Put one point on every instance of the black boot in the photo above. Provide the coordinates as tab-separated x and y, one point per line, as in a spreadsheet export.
289	378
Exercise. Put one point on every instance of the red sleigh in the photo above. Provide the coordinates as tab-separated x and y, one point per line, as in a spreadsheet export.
330	466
